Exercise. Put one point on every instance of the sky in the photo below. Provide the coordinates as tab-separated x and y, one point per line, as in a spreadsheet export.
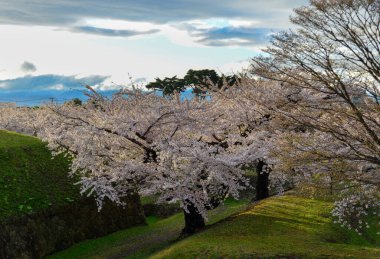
61	45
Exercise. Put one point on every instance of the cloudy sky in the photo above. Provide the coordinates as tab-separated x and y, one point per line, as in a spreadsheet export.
63	44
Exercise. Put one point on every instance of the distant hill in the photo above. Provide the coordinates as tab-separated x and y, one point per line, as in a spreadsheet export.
39	97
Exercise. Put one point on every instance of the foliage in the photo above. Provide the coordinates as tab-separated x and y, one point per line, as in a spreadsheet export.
201	81
309	111
74	101
329	67
168	85
142	142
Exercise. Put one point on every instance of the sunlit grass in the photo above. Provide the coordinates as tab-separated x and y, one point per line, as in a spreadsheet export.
288	226
279	226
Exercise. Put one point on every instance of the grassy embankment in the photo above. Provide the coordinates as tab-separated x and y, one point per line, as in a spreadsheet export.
287	226
30	179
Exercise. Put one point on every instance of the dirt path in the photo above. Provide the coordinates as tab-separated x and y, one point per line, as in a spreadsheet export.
150	242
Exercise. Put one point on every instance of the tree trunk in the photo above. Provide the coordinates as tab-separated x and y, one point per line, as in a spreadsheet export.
193	221
262	190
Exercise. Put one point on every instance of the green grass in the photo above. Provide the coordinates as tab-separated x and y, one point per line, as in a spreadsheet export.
30	179
142	241
287	226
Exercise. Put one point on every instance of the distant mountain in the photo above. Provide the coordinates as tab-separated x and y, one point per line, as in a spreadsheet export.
39	97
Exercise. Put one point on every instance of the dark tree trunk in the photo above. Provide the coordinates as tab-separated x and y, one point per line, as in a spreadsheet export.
150	156
262	190
193	221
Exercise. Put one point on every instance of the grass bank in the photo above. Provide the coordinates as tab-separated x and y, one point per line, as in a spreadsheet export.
30	179
143	241
287	226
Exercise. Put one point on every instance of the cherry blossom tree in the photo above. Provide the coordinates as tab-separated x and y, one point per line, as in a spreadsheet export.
193	152
248	127
308	113
24	120
140	142
330	66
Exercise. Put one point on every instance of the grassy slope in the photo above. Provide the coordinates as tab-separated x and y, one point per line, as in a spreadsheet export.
29	178
280	226
286	226
289	225
142	241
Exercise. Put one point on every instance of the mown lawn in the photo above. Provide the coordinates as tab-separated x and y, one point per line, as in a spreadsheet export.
30	179
287	226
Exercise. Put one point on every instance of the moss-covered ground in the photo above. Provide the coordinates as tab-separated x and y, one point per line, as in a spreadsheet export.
30	179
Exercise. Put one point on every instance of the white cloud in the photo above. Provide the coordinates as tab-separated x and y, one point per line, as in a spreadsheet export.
118	24
68	12
56	87
151	41
235	67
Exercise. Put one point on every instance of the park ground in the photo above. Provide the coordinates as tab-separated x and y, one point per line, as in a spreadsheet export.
289	226
286	226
